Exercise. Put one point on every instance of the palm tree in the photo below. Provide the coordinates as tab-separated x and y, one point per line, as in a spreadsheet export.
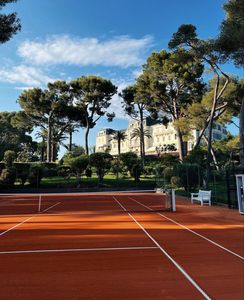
119	136
141	134
57	138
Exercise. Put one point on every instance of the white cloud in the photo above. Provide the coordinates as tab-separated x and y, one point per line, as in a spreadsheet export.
116	103
25	75
136	73
121	51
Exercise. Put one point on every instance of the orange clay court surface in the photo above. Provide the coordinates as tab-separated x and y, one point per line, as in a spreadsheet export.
118	246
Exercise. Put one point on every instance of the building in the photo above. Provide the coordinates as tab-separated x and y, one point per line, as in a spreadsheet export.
163	138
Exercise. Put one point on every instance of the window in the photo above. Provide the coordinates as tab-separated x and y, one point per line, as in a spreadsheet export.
216	136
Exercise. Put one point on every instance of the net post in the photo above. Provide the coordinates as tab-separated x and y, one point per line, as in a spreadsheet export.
173	200
39	203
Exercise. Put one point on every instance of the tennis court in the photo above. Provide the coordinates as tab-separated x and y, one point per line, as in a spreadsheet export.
118	246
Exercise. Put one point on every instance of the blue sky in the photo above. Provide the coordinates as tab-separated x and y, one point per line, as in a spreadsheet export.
64	39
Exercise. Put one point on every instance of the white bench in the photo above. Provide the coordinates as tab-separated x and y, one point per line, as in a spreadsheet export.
204	197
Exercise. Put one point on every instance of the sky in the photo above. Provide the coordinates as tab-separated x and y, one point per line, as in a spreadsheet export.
65	39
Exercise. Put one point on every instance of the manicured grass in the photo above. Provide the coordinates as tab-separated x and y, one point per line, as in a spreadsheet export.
109	181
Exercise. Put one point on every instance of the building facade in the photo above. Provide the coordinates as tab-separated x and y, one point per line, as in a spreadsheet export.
162	139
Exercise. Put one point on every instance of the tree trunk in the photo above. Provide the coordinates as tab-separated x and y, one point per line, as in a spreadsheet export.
142	141
54	152
49	140
43	146
119	147
180	145
242	134
86	140
70	139
210	130
212	153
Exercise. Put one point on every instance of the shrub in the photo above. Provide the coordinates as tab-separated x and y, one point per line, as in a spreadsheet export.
175	181
102	162
169	160
8	176
116	167
133	164
2	166
22	171
148	170
189	176
64	171
137	170
129	159
9	157
78	164
196	156
35	175
49	172
168	173
88	172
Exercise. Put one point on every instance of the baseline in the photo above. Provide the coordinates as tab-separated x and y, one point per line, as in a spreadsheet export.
76	250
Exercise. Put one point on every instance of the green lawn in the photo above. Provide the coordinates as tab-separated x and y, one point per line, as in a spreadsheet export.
109	181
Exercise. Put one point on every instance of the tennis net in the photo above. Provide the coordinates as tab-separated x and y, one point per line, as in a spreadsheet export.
11	204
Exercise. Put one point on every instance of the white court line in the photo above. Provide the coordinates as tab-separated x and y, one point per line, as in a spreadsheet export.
77	193
75	250
190	230
188	277
11	228
26	220
49	207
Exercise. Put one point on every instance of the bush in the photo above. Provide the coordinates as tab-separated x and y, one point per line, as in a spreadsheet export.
49	169
78	164
88	172
116	167
22	171
8	176
137	170
167	174
2	166
175	181
102	162
64	171
189	175
196	156
9	157
148	170
129	159
35	175
169	160
49	172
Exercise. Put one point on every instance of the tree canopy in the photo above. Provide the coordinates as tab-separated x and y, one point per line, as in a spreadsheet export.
173	79
92	95
230	41
9	23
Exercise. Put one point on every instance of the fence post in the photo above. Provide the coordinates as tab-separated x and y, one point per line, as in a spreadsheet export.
228	188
